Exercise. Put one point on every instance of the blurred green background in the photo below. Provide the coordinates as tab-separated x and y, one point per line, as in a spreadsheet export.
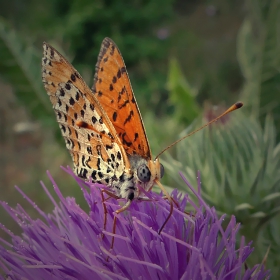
188	61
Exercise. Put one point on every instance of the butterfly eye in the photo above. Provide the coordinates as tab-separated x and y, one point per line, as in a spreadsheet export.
143	173
161	170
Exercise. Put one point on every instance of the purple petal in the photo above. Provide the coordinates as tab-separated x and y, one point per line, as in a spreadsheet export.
72	244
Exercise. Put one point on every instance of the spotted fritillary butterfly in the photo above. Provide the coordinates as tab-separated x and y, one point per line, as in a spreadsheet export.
102	126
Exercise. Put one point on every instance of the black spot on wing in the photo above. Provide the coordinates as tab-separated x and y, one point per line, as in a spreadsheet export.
136	136
119	156
73	77
77	97
112	50
83	173
123	70
94	119
62	92
124	104
68	86
115	116
119	74
89	150
108	147
71	101
125	142
128	119
93	175
62	127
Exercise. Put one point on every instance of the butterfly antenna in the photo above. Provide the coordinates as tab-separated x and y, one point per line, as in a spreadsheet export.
234	107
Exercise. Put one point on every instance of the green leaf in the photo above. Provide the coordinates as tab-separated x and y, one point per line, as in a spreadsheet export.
259	215
243	206
182	96
271	196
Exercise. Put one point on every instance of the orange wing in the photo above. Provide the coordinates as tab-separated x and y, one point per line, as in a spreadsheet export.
113	90
89	134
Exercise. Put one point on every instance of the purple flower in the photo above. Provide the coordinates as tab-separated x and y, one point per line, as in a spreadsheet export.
72	244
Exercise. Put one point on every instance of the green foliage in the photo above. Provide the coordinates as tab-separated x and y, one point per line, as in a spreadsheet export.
87	23
20	66
82	25
258	54
239	164
182	96
259	57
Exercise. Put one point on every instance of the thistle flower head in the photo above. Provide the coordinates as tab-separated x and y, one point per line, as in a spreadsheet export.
71	244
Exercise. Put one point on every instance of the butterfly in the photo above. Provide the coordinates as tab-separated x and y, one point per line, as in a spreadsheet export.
102	126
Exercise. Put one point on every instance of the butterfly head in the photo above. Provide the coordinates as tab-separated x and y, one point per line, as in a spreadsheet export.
149	172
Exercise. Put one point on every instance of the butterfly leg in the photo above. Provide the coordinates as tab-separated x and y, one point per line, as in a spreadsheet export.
105	212
170	201
174	201
111	195
126	206
167	197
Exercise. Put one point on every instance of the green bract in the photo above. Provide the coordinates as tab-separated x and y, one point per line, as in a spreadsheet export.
240	162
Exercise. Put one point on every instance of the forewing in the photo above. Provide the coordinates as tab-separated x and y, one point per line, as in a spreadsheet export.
90	137
113	90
